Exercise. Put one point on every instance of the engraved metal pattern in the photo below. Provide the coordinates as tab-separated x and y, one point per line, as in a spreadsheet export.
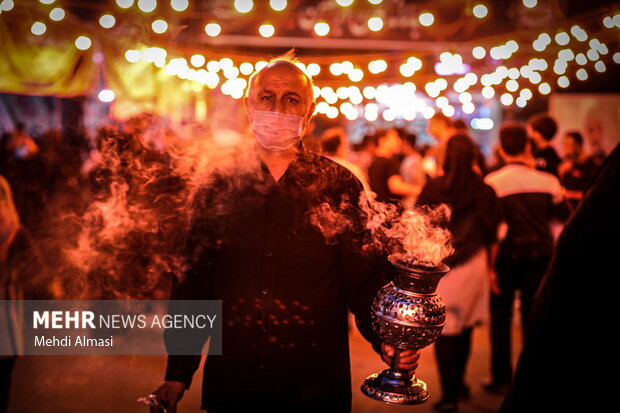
408	314
407	319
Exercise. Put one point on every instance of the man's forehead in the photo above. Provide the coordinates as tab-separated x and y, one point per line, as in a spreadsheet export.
281	74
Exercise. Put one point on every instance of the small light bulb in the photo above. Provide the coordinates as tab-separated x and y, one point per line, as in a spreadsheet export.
179	5
213	29
266	30
107	21
480	11
375	24
38	28
83	42
147	6
278	5
57	14
321	28
159	26
478	52
244	6
426	19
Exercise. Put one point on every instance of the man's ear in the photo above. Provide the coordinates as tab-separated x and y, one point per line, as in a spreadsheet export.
311	111
246	106
309	114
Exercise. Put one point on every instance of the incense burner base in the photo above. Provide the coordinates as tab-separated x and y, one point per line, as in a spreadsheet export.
387	389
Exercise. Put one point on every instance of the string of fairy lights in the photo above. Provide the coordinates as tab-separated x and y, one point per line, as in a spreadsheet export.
354	89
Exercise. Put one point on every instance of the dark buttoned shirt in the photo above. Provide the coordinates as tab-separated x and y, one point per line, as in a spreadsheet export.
287	259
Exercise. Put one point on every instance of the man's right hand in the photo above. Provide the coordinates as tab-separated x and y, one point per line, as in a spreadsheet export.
169	393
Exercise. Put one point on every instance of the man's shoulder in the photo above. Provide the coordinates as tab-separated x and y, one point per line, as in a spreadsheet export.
337	173
323	161
516	178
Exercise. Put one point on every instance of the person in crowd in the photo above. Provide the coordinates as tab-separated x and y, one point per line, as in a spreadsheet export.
531	200
595	137
384	171
576	169
20	144
441	128
460	126
23	168
9	227
542	129
563	310
473	224
334	144
411	166
364	152
275	272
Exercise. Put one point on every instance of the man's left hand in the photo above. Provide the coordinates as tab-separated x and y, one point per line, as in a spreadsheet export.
407	360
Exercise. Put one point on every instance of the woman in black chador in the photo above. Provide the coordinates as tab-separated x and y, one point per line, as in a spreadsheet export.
474	221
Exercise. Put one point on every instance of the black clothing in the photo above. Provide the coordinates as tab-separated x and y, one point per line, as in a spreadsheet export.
6	371
452	353
523	275
556	367
379	171
285	288
475	213
547	160
578	177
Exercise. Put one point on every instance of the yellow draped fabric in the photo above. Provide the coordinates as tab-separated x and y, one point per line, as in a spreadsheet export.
46	65
143	87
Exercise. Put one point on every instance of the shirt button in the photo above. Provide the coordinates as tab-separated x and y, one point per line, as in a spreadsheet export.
272	224
265	291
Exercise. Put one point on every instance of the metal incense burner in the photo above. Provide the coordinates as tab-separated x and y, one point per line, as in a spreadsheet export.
408	314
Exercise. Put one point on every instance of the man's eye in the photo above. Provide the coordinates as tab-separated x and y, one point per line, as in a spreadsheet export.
293	100
265	98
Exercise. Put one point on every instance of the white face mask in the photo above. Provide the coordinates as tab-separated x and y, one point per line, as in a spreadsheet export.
276	131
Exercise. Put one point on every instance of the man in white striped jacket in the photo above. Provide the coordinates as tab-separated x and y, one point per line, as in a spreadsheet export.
530	201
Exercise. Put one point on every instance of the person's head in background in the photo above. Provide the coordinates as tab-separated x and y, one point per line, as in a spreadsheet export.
334	142
573	145
389	143
409	142
514	143
368	143
440	127
460	155
460	126
542	128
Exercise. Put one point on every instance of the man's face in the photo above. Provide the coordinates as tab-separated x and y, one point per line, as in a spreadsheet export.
393	142
281	87
535	136
571	147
